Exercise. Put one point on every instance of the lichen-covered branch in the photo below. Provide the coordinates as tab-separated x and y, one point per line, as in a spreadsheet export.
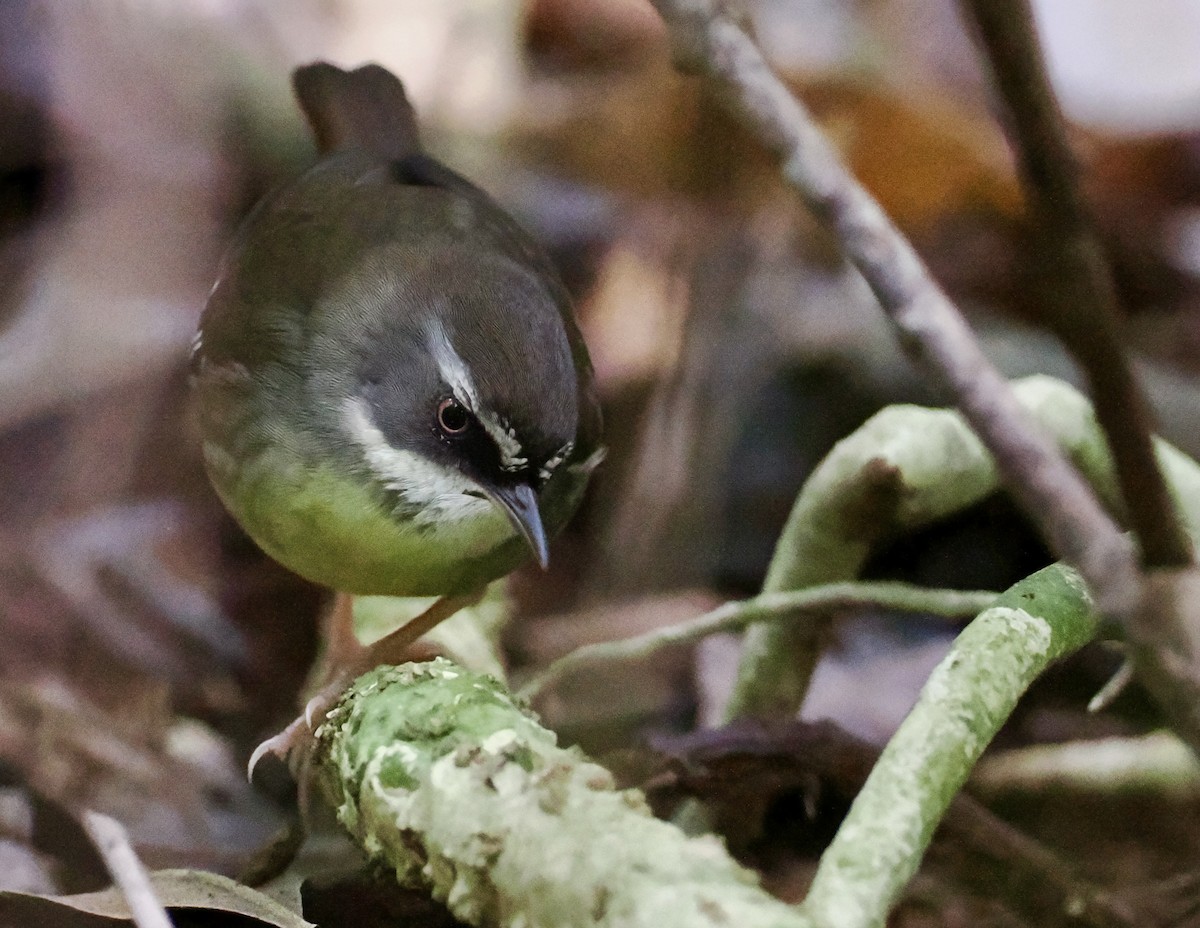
443	778
967	698
791	606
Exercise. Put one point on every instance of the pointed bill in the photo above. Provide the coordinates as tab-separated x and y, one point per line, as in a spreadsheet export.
520	505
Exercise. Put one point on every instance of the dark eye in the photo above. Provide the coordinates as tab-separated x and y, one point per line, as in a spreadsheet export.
452	419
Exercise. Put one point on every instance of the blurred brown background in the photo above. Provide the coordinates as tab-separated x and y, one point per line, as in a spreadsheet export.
145	643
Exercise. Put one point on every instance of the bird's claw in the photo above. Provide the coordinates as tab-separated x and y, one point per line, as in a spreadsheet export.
281	745
299	735
396	647
319	705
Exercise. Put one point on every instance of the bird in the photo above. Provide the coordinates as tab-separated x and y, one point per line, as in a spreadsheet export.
392	392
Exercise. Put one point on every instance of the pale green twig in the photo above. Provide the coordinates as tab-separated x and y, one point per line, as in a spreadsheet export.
1157	763
967	698
767	607
906	467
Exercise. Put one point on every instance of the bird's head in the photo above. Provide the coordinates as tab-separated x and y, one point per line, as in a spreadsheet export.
465	394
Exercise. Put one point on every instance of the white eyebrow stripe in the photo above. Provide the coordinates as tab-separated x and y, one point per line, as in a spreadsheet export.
454	371
451	366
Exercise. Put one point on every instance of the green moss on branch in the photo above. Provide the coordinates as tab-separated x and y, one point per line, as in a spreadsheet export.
440	775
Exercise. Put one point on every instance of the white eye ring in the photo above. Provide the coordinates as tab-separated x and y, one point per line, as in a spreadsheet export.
452	417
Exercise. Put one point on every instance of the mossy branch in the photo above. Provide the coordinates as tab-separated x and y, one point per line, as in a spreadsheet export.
441	776
444	778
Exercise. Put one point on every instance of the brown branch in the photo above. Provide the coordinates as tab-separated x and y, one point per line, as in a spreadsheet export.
1162	618
928	324
1083	307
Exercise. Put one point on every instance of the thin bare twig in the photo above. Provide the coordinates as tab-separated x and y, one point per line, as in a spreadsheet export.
768	607
126	869
1115	686
928	324
1083	306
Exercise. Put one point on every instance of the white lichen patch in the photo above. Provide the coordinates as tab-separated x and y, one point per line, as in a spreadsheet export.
499	741
1073	580
1035	631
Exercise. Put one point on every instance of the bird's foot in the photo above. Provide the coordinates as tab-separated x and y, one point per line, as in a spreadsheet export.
295	744
297	736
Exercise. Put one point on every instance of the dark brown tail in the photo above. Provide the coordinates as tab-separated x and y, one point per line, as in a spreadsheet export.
365	108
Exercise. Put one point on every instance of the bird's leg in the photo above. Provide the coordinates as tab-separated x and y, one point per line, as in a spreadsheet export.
341	646
394	648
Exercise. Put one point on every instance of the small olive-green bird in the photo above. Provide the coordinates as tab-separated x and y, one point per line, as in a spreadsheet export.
393	394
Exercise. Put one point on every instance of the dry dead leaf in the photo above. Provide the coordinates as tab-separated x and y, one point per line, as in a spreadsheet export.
177	889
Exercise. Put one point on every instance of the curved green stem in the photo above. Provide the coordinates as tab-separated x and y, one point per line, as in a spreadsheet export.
907	467
965	701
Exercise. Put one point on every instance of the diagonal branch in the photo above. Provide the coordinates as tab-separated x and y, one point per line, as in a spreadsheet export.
1160	612
928	324
1083	308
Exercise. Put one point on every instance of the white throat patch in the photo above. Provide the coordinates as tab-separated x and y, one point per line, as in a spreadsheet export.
439	495
454	371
